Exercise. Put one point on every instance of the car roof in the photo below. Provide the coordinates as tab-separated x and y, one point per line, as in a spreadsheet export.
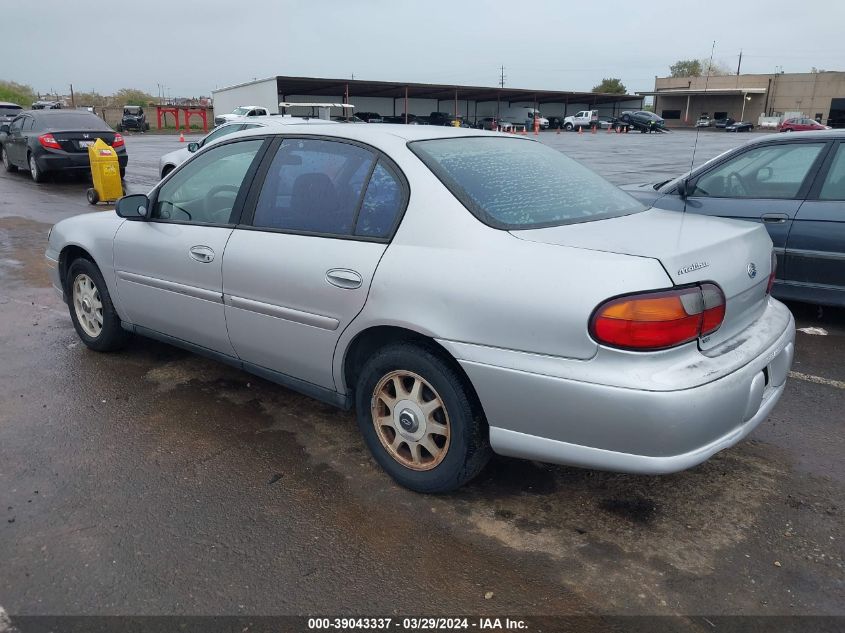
6	104
383	131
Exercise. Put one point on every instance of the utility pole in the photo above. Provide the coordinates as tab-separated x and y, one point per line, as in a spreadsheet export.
739	65
72	99
502	77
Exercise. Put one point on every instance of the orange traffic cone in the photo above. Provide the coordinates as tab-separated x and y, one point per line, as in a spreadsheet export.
580	131
181	137
593	129
558	129
610	129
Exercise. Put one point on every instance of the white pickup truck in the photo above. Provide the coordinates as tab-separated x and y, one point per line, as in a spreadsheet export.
583	119
239	112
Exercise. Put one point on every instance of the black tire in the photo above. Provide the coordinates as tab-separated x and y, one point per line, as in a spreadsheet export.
92	195
468	448
7	164
112	337
122	173
567	127
34	171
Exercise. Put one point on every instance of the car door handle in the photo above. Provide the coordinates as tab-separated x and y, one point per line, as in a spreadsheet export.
774	218
202	254
344	278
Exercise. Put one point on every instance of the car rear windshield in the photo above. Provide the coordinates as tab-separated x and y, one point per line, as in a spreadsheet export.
514	183
4	110
71	122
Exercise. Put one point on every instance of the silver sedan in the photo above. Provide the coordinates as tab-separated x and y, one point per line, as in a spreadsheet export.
466	292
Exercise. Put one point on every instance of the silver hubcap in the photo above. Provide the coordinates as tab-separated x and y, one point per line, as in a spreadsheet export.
33	168
410	420
5	157
87	305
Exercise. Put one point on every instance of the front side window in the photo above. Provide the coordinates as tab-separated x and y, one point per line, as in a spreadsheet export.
773	171
205	189
512	183
834	182
17	124
220	132
314	186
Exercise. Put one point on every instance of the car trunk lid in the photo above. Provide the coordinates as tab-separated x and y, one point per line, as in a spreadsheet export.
78	142
692	248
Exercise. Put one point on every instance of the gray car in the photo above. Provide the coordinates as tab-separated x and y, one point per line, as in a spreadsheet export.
793	184
466	292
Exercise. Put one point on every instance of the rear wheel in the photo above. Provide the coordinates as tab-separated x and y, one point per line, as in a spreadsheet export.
93	196
7	164
91	309
568	127
35	171
419	419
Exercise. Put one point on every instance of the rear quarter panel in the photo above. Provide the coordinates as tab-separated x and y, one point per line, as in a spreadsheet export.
450	277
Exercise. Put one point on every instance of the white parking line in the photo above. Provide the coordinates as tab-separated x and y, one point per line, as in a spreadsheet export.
817	379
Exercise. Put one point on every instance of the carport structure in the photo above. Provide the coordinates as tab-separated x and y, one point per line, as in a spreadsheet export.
404	98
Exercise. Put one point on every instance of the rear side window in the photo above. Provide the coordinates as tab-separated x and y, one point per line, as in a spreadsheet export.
314	186
772	171
512	183
834	183
381	205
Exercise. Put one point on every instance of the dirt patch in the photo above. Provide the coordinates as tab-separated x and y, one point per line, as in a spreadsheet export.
22	246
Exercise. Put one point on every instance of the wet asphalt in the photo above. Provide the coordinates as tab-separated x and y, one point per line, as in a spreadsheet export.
152	481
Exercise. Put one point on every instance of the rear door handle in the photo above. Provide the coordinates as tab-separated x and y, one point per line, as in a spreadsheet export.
774	218
202	254
344	278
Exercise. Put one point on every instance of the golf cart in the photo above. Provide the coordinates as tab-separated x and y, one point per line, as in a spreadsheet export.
133	119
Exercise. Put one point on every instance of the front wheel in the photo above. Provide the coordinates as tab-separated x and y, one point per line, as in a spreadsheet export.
568	127
91	309
93	196
420	420
7	164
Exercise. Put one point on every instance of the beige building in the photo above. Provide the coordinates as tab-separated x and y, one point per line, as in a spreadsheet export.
820	96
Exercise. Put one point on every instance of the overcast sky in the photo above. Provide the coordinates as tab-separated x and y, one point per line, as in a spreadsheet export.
104	45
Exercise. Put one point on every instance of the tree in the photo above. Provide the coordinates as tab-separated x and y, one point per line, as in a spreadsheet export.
611	85
715	69
14	92
698	68
130	96
686	68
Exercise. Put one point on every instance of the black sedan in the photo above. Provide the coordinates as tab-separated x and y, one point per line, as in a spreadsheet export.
643	121
739	126
49	141
794	184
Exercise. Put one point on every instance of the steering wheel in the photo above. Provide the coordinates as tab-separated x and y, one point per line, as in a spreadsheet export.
736	185
209	202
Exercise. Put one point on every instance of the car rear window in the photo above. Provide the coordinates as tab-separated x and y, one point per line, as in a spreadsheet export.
5	110
71	122
514	183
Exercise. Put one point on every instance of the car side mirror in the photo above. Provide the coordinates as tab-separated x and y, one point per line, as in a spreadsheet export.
4	128
765	174
193	147
683	188
134	207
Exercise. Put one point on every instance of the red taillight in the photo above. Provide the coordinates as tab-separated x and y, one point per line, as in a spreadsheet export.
118	141
772	273
47	140
659	320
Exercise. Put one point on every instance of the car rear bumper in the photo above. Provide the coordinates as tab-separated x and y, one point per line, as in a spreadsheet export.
566	421
66	161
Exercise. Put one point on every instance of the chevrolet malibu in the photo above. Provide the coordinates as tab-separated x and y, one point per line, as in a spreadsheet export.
465	292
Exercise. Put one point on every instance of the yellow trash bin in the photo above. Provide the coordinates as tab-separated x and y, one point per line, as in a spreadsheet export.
105	172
